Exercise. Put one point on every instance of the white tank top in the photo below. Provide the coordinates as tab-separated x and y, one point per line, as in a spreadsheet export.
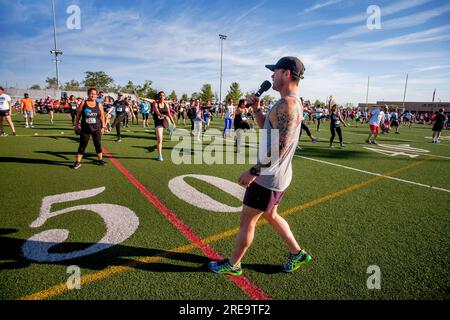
279	176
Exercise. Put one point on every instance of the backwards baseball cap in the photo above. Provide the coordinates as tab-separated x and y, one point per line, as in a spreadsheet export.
289	63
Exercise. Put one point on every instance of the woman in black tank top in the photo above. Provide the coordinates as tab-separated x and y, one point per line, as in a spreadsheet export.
335	126
161	114
93	125
240	123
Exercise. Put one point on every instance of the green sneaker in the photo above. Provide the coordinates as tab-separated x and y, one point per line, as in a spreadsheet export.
296	261
224	267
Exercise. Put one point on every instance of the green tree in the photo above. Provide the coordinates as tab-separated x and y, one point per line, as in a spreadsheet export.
248	95
319	104
98	79
51	83
129	87
185	97
234	92
72	85
195	95
206	94
35	87
146	90
173	95
267	99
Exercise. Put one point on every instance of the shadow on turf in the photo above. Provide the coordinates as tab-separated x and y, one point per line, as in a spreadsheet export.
330	154
11	257
34	161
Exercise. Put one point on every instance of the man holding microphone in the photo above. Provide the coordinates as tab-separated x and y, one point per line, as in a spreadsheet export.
266	185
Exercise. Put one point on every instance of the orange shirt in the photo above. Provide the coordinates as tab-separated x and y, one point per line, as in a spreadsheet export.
28	104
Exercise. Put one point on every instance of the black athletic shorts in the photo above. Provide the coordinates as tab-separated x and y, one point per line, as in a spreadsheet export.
4	113
260	198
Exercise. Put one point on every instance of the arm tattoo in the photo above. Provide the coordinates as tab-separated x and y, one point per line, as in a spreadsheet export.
287	126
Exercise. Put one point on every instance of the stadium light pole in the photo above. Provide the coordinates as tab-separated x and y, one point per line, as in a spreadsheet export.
222	37
404	94
367	94
55	51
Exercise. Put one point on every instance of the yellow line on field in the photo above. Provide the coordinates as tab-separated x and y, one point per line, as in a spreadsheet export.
62	287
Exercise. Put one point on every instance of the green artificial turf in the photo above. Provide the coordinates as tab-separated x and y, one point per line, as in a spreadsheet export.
403	228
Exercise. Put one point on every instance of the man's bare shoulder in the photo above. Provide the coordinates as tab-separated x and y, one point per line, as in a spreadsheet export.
289	103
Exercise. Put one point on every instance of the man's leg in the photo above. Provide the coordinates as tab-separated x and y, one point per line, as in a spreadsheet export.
249	217
282	228
374	140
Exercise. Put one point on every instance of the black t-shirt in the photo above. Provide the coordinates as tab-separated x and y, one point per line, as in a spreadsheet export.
335	122
440	119
191	113
120	106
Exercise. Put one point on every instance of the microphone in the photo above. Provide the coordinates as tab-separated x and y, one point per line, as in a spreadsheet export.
265	86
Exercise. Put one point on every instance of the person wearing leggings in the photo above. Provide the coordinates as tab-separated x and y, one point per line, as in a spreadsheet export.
305	128
93	125
335	126
240	123
73	109
121	114
228	116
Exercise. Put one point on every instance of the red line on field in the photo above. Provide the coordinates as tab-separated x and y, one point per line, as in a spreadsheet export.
244	283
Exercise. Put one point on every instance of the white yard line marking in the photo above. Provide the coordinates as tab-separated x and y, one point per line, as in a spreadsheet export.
373	174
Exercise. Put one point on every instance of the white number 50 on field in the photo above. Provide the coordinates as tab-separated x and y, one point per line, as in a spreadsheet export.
121	223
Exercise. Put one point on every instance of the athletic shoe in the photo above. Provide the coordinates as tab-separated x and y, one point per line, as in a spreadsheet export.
4	134
119	140
32	126
101	162
342	146
224	267
14	134
375	143
368	142
27	126
330	147
76	166
299	148
397	133
314	139
160	158
296	261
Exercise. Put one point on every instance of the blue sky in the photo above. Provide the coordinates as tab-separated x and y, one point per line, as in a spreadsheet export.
176	45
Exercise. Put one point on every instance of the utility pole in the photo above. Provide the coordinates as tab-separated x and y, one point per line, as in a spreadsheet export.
367	95
222	38
404	95
55	51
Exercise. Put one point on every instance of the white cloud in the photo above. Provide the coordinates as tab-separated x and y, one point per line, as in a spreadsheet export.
385	11
394	24
321	5
183	53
